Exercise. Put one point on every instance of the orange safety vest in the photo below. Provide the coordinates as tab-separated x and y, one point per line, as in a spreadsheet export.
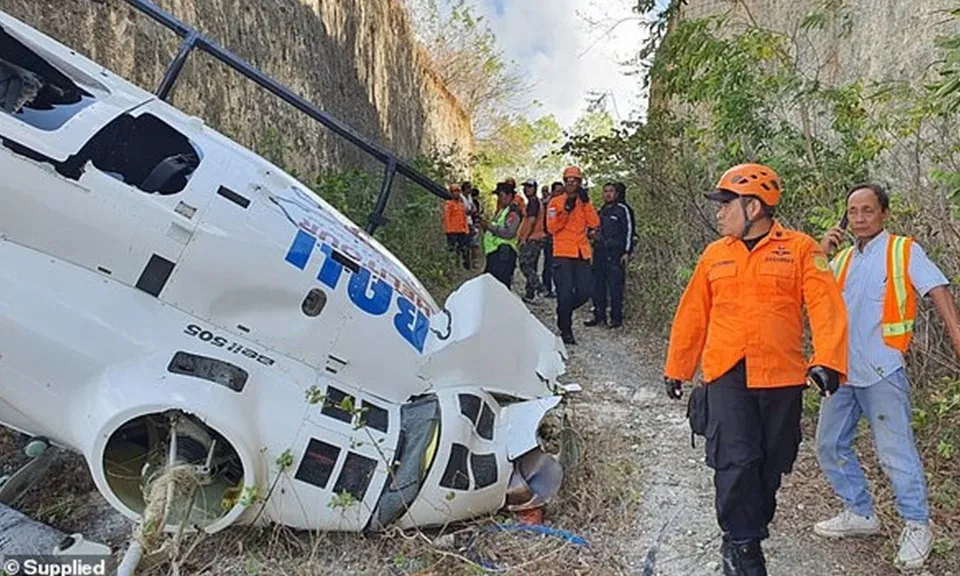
535	229
749	304
455	217
899	303
519	201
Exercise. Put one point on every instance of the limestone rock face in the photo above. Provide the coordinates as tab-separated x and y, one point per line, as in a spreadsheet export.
355	59
873	40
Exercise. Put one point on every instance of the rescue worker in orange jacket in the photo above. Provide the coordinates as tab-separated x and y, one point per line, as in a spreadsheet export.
741	317
569	217
455	226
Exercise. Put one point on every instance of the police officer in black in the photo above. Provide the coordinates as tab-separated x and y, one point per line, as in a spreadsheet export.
610	251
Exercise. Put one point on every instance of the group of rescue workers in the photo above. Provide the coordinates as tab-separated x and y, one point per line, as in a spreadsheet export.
585	252
741	320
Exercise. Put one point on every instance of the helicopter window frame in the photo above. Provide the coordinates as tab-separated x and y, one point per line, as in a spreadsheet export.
317	463
355	475
34	90
143	151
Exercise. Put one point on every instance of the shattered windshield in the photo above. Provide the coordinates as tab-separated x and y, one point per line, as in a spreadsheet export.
34	91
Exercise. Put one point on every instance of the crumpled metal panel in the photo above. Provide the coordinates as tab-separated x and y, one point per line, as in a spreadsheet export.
494	343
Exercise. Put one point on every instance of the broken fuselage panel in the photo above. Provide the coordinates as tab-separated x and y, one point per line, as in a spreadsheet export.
150	266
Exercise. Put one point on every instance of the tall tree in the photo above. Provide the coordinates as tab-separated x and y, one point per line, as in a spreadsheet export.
520	148
467	58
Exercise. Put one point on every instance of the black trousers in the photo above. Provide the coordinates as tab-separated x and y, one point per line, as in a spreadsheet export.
752	440
608	276
574	280
501	263
460	243
547	275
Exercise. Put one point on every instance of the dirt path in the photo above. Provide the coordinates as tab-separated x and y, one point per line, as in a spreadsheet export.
676	533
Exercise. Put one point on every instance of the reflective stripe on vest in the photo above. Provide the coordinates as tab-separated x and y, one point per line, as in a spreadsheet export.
899	315
841	263
899	303
491	241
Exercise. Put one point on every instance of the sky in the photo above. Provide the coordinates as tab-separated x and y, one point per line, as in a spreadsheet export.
566	57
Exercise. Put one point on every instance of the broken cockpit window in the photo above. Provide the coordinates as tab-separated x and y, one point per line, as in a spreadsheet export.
142	151
34	91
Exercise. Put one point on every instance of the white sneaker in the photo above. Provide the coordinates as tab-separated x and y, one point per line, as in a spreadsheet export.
847	523
916	543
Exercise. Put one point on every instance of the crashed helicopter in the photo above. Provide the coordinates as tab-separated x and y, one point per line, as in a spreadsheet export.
170	299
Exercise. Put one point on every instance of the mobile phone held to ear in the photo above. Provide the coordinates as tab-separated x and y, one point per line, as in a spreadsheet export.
844	221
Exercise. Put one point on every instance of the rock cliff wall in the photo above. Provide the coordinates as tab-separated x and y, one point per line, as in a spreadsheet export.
355	59
873	40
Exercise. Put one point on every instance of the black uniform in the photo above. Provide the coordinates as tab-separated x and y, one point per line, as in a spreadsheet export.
615	240
546	277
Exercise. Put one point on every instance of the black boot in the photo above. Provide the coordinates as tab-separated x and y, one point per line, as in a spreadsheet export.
743	558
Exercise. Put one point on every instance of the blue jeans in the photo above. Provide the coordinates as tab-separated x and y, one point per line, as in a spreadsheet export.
886	405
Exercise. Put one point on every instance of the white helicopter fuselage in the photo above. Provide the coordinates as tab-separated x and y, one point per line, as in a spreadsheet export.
149	264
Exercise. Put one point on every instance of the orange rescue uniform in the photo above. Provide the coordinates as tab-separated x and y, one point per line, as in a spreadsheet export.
569	229
743	304
455	217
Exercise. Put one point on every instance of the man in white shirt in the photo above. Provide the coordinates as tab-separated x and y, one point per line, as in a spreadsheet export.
879	276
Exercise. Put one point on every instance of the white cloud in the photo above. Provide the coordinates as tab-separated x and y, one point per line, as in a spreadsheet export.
547	39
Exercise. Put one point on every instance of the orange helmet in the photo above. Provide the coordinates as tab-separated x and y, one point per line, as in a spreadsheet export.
572	172
749	180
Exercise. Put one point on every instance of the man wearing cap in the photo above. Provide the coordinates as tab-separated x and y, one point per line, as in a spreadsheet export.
531	237
741	318
499	241
570	215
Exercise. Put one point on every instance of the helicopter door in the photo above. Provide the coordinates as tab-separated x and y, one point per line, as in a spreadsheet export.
235	273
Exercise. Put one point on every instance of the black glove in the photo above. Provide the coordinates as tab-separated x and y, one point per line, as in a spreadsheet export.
826	379
570	203
584	196
673	387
